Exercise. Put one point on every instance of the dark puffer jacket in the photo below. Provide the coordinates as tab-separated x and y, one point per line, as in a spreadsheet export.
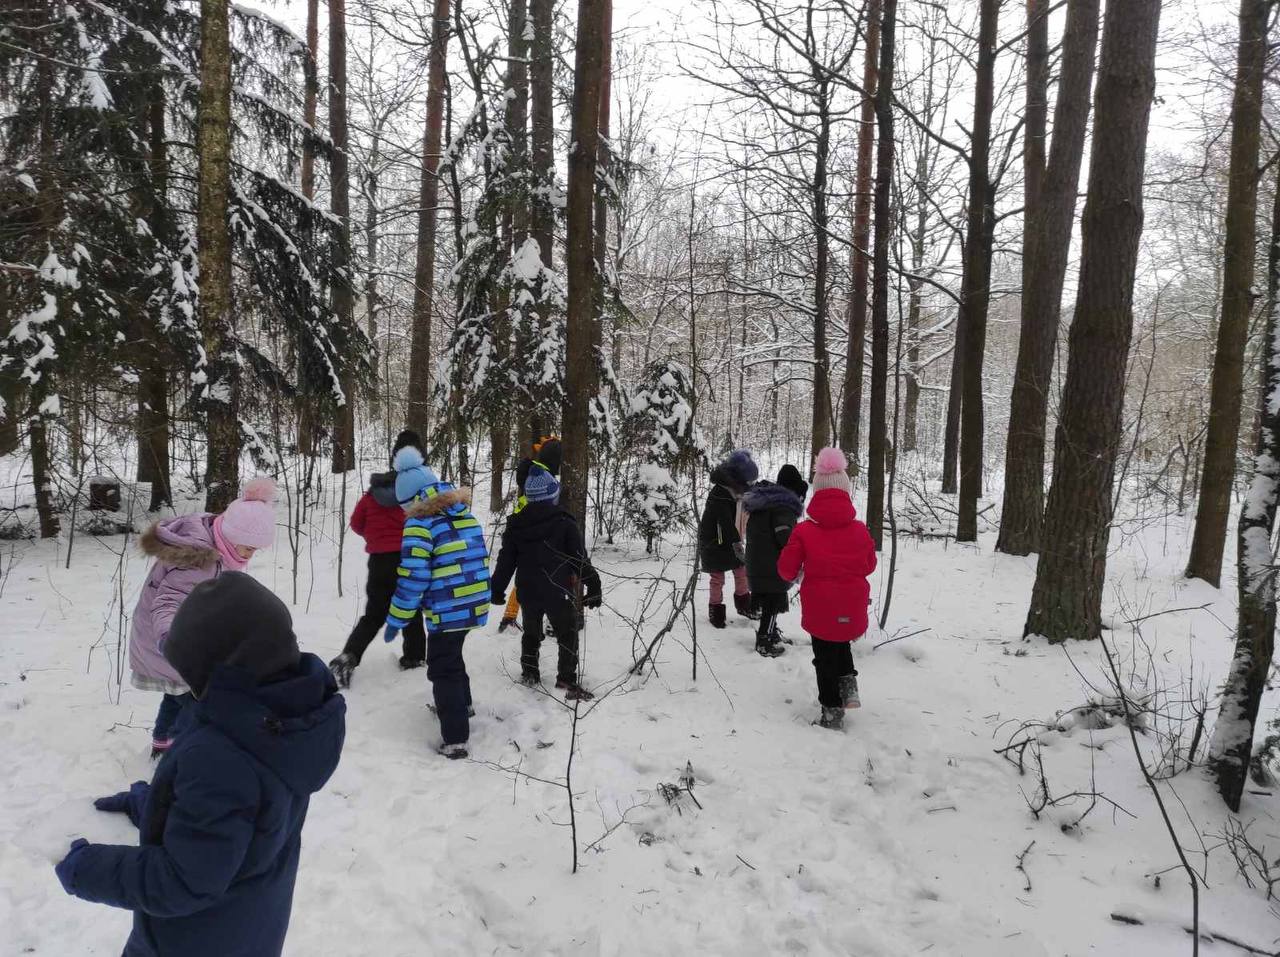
772	512
718	527
221	825
543	548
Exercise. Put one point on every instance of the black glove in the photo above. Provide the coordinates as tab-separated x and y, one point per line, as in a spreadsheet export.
740	552
593	599
497	597
128	802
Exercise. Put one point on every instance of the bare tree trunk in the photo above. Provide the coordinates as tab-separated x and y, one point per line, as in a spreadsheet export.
311	96
344	430
1066	601
1237	298
860	255
213	238
877	436
542	152
821	426
153	384
580	365
976	298
1049	220
951	428
425	273
1231	750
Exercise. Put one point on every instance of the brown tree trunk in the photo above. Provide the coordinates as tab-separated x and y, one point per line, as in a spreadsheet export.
542	92
42	473
213	238
1231	750
976	284
153	385
311	96
1237	298
580	364
344	428
425	273
1049	219
951	427
820	424
877	437
860	254
1066	601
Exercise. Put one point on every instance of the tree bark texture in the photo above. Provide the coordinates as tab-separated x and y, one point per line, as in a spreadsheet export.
860	253
976	289
213	237
1240	234
429	192
344	430
1231	748
580	363
1046	247
1066	600
877	434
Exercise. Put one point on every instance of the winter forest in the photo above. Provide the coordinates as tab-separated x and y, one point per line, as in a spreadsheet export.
1018	260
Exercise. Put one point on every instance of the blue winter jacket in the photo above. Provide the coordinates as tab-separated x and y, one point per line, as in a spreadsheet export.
444	564
221	826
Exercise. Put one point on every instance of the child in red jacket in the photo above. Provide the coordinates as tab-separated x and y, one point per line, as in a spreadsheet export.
379	520
836	554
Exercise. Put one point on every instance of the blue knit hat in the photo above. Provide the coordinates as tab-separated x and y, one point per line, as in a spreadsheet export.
541	485
412	475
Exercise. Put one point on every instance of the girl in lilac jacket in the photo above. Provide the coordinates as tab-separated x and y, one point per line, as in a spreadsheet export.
188	550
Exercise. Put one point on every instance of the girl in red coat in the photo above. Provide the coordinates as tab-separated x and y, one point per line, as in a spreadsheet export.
835	552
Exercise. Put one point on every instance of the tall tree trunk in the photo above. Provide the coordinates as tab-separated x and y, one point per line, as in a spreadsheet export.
976	289
820	425
1237	298
951	426
1231	749
580	364
344	430
42	471
153	385
371	242
213	239
516	219
911	405
1066	601
860	254
542	156
1047	243
311	95
877	435
425	273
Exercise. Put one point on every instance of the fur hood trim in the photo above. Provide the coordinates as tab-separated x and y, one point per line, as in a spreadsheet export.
179	556
426	507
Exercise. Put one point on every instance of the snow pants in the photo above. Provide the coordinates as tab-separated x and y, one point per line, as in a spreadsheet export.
379	589
564	628
740	586
450	684
832	660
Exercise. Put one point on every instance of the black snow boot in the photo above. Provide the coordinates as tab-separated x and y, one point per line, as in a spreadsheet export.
408	664
768	646
573	691
530	678
832	718
745	607
342	668
718	616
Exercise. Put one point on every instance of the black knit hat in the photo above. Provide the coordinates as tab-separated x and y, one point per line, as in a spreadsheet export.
406	438
230	620
789	477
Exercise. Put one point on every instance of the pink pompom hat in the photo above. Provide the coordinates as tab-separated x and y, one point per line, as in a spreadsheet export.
251	519
830	470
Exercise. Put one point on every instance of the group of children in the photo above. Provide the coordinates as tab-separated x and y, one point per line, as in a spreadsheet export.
752	528
249	727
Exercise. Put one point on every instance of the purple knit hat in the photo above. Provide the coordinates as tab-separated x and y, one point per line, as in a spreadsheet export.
251	519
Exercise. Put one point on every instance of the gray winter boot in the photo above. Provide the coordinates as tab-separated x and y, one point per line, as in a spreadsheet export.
832	718
849	691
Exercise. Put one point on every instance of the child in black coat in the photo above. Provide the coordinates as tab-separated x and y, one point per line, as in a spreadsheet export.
720	544
772	512
542	547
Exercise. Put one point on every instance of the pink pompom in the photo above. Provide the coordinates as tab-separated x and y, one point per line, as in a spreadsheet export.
830	461
261	489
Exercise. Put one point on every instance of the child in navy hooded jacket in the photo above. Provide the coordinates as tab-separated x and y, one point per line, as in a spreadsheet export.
220	825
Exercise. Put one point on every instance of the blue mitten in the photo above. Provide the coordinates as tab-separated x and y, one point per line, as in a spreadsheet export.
128	802
66	869
390	634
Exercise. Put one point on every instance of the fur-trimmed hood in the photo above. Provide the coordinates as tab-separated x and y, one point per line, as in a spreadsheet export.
185	541
765	495
737	472
446	498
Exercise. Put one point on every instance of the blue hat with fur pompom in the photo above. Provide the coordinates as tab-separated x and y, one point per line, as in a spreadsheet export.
412	475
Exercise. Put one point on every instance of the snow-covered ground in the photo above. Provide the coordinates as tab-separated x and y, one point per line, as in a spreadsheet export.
901	835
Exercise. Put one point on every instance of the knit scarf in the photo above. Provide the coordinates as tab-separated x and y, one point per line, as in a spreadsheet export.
227	551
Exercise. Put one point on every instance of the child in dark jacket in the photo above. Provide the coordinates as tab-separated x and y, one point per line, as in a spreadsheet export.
220	825
720	544
379	520
443	575
548	453
543	548
836	554
772	512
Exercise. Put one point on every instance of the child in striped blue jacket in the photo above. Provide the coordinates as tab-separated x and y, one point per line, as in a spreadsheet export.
444	575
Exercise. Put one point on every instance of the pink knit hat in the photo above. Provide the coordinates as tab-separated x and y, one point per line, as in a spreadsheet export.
251	519
831	471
